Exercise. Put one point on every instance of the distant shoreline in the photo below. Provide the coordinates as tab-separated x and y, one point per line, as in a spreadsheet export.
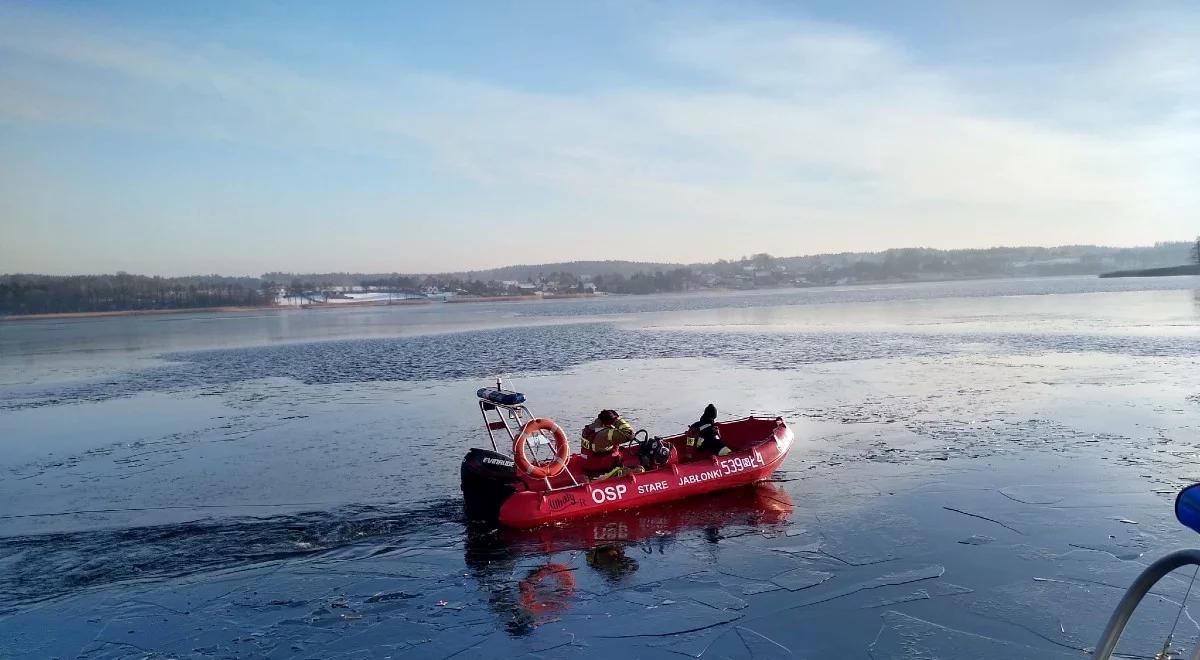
136	312
50	316
1170	271
363	303
1152	272
524	298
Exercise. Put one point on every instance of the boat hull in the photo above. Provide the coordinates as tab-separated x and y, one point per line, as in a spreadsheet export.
533	508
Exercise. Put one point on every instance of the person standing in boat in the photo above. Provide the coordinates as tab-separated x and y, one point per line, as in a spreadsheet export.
602	440
704	435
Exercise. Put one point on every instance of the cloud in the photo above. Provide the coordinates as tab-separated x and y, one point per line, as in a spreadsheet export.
774	134
789	57
805	119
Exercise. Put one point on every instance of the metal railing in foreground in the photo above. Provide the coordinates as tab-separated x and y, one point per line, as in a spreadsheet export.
1134	595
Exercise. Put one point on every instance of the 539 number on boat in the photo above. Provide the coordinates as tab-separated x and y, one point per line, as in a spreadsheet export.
739	464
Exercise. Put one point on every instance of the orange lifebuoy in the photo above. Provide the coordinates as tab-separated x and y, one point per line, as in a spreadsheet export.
562	449
563	589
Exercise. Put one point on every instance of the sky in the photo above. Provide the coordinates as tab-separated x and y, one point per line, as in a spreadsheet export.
244	137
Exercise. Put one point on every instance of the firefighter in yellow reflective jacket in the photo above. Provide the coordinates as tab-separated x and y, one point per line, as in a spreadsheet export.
602	440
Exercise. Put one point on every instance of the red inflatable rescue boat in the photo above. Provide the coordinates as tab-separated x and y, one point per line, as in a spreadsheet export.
539	481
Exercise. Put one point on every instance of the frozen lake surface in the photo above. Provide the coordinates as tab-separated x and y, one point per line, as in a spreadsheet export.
980	470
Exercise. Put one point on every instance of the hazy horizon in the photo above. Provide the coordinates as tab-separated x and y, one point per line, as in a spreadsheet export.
502	266
242	139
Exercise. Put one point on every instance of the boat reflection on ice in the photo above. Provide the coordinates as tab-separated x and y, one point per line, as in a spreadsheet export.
614	546
763	503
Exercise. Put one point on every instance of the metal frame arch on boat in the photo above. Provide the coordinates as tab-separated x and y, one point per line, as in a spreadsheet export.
562	449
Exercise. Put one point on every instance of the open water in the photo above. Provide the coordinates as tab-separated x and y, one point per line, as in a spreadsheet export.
980	470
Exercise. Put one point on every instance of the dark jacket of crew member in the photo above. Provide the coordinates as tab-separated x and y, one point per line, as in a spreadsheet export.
704	434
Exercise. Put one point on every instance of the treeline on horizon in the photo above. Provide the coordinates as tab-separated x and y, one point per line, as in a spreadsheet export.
659	281
969	262
899	264
52	294
41	294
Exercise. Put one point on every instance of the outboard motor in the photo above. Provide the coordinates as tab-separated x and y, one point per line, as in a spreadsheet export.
488	478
